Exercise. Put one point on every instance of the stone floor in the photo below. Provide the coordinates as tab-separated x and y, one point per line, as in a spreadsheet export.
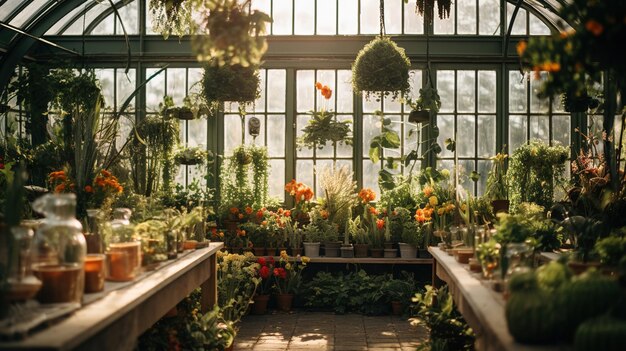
327	331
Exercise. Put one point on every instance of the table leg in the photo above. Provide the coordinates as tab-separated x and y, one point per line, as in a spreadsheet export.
209	287
436	282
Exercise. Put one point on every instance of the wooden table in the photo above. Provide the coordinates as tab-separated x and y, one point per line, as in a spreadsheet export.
481	306
119	318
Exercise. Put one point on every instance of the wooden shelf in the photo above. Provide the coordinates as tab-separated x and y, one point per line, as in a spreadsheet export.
371	260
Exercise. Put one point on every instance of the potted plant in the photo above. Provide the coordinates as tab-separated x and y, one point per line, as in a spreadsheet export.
399	293
314	232
294	234
191	156
381	68
426	105
584	233
323	127
287	279
262	296
497	187
412	238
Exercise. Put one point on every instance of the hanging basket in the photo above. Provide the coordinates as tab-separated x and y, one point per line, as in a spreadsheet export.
381	67
230	83
419	116
182	113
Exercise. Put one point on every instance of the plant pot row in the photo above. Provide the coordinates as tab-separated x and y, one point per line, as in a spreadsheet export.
363	250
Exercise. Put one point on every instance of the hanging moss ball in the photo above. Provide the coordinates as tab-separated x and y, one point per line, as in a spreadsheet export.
230	83
381	67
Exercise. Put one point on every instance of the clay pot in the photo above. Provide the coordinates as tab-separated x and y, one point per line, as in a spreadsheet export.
377	253
396	308
284	302
260	304
360	250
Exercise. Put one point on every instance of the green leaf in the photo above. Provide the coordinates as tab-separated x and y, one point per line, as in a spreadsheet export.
391	140
386	121
474	176
435	132
391	163
374	154
450	144
386	180
412	156
436	147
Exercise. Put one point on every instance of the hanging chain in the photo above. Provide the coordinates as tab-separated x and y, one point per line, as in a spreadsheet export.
382	17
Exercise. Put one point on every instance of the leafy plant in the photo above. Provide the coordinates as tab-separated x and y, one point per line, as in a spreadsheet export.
245	178
381	68
611	250
497	185
237	282
320	229
448	330
402	195
426	7
401	289
230	83
192	155
339	193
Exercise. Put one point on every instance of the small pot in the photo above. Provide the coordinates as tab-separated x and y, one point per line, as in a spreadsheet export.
258	251
296	251
391	253
396	308
419	116
408	250
377	253
260	304
284	302
388	246
190	244
347	251
360	250
312	249
331	248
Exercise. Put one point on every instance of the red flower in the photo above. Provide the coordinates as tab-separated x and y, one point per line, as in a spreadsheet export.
261	261
271	260
88	189
1	165
380	224
264	272
287	213
280	273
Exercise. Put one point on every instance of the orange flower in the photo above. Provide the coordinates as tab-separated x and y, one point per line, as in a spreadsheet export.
595	27
521	47
59	188
240	216
304	193
291	187
259	214
367	195
264	223
428	191
327	92
88	189
324	214
234	210
248	210
105	173
318	86
380	224
373	211
287	213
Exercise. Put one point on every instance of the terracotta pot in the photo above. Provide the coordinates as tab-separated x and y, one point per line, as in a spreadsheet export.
377	253
396	308
284	302
258	251
360	250
190	244
347	251
260	304
500	206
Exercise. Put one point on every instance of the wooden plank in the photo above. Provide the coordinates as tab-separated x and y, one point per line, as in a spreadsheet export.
481	306
209	287
371	260
115	321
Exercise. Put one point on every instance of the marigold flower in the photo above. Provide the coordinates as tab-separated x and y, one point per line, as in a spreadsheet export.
324	214
305	259
59	188
521	47
283	255
327	93
248	210
433	201
234	210
380	224
318	86
105	173
264	223
594	27
373	211
240	216
367	195
287	213
259	214
428	191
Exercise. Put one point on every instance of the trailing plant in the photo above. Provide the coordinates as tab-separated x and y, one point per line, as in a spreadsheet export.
230	83
234	33
535	171
323	126
381	68
426	7
191	156
174	16
448	330
260	169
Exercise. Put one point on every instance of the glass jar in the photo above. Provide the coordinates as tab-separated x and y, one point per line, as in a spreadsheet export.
59	249
124	252
517	255
92	232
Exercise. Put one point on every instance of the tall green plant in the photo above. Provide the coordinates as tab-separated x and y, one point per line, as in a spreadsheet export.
244	178
536	170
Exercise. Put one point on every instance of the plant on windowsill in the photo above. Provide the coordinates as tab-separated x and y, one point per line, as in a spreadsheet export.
381	69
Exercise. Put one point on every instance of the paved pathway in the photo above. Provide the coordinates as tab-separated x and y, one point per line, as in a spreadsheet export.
327	331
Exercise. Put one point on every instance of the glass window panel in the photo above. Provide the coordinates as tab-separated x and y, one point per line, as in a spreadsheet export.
259	104
105	27
557	103
155	90
326	17
304	172
343	91
319	166
540	128
519	28
445	88
444	26
393	21
176	84
276	133
446	164
282	17
415	82
395	126
126	124
276	179
465	136
77	27
7	8
305	90
55	29
390	105
517	132
342	149
466	81
489	17
486	136
149	22
537	27
232	133
370	105
276	90
194	80
370	175
465	169
326	151
180	175
302	121
538	105
483	169
197	132
106	77
487	91
370	17
129	14
561	129
347	12
305	17
125	87
446	130
413	24
371	128
466	23
30	11
517	92
410	141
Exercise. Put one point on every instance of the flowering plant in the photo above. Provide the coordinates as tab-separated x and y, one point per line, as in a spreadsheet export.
237	281
104	187
265	273
288	273
303	194
324	127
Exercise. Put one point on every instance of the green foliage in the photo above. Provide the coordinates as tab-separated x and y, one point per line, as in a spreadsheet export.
351	292
339	193
448	330
192	156
603	333
429	100
402	195
397	220
322	128
381	68
535	171
388	139
230	83
513	229
583	232
244	178
611	250
402	289
426	8
497	185
413	233
320	229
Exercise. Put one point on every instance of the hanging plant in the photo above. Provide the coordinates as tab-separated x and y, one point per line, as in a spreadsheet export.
191	156
230	83
427	6
381	68
427	103
234	34
174	16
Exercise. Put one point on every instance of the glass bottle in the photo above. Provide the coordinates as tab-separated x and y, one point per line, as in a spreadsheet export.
124	252
92	232
59	250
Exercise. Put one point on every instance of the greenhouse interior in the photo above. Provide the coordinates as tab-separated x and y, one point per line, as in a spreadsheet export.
384	175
